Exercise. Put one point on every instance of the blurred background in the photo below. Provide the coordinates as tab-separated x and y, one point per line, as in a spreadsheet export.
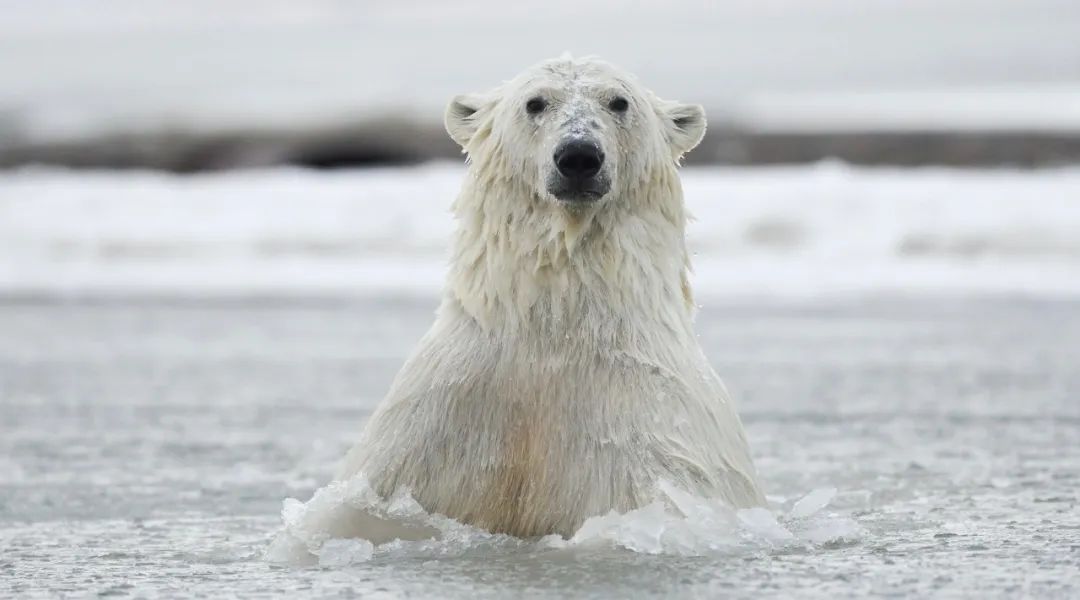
255	100
225	223
187	86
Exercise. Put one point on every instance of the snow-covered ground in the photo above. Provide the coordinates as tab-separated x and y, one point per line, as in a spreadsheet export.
826	229
81	69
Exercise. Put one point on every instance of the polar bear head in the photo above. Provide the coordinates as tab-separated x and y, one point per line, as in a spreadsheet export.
575	133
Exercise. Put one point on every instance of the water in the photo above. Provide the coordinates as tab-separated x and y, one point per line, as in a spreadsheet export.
146	447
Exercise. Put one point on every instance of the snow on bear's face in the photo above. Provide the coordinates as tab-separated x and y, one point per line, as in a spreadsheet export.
575	132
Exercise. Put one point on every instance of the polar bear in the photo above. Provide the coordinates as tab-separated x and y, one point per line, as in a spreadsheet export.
562	378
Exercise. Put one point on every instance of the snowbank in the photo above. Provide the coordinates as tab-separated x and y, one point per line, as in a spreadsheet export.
799	231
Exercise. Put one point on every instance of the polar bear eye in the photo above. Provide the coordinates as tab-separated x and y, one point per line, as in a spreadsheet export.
619	104
535	106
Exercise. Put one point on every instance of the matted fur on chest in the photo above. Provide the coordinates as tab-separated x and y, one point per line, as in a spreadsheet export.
531	449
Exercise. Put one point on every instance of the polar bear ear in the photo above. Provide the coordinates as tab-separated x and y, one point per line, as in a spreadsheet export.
685	124
461	117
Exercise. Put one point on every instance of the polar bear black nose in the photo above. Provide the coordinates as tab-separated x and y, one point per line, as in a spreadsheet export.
578	159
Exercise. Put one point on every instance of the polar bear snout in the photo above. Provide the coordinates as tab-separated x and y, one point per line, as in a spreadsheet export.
578	175
579	159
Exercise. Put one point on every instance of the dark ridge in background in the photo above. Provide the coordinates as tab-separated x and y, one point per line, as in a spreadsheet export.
402	142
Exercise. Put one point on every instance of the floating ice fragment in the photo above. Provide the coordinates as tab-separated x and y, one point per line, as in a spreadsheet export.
691	507
346	512
761	522
345	523
812	502
342	553
638	530
287	550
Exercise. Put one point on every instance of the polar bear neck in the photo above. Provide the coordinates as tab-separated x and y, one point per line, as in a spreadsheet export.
522	262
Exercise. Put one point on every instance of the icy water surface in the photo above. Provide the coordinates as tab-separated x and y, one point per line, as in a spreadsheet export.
146	448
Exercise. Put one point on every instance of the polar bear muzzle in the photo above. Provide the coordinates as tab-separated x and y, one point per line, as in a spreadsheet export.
578	175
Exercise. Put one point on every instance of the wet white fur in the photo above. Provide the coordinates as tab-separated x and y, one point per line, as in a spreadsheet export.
562	377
